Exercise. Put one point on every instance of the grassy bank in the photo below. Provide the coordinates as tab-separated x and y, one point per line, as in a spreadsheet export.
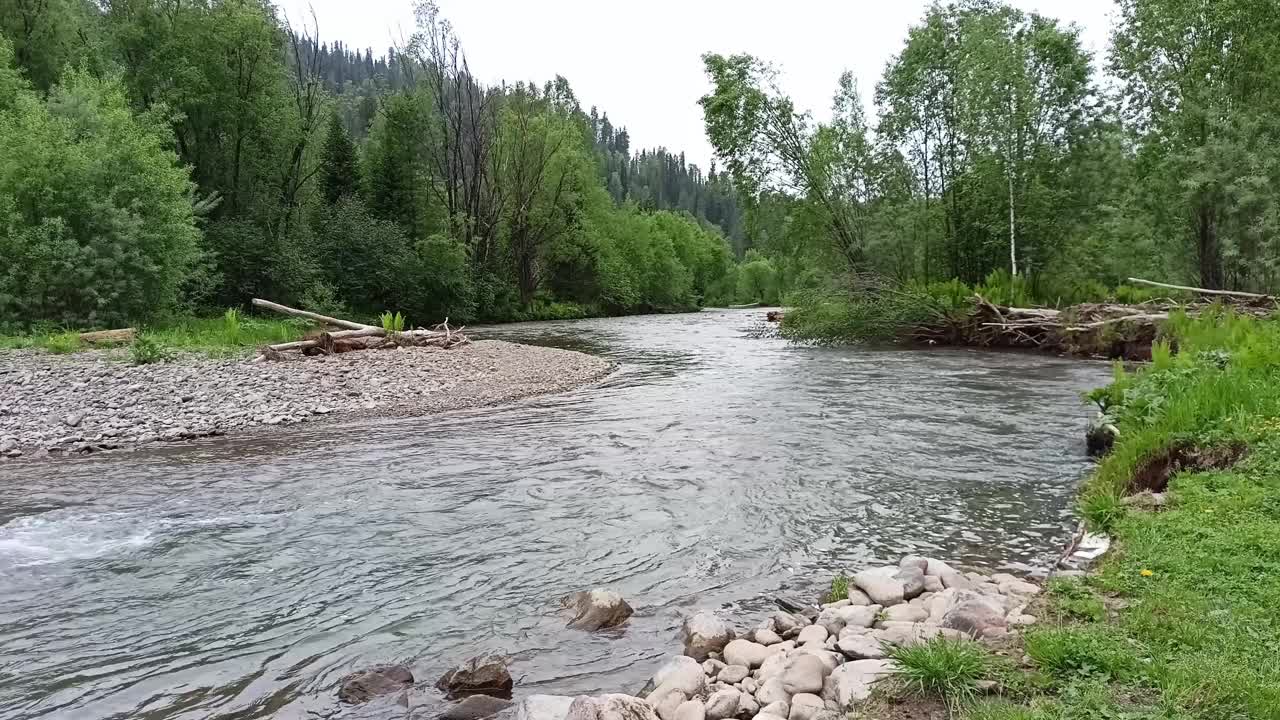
1181	620
230	335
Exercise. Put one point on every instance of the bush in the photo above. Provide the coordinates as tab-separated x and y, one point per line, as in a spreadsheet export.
146	350
96	221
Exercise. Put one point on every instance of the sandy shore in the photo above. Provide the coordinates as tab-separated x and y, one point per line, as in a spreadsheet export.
53	405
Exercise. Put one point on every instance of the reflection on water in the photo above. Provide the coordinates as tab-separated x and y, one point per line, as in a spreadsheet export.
242	577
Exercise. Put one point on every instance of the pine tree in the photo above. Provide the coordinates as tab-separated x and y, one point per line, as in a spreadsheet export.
339	173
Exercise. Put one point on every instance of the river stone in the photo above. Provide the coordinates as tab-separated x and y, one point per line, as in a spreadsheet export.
364	685
749	686
955	580
843	602
788	625
681	672
772	691
765	636
778	709
481	675
597	609
829	659
773	665
704	634
747	706
860	647
711	668
860	616
938	568
831	619
852	682
746	653
914	561
666	701
975	617
933	584
691	710
804	674
806	706
734	674
904	613
544	707
1019	587
912	580
475	707
610	707
857	597
812	634
723	704
880	585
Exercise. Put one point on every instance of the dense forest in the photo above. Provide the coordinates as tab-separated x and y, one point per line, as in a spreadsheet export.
1002	151
185	157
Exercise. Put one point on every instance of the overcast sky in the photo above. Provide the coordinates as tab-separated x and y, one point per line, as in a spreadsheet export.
640	61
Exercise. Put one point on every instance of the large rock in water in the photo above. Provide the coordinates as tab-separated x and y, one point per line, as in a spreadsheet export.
367	684
482	675
597	609
704	634
544	707
610	707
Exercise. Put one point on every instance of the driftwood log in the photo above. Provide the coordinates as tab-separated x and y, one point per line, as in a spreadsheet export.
356	336
1109	330
123	336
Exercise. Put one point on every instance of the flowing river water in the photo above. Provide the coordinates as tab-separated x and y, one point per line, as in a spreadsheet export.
242	577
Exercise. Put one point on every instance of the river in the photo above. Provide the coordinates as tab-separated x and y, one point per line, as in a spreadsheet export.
242	577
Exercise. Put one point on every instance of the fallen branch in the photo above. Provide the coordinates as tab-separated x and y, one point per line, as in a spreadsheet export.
358	336
1202	291
286	310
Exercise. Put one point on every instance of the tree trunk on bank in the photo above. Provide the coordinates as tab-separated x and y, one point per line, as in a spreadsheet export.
1210	254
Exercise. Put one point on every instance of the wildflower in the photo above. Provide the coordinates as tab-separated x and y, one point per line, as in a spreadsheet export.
1146	573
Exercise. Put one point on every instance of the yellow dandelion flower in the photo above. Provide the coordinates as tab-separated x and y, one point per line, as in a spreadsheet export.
1146	573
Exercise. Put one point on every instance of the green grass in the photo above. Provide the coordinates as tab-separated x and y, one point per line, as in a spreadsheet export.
943	668
1193	591
839	589
231	335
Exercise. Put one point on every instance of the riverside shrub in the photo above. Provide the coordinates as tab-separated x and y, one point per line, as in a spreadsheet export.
96	219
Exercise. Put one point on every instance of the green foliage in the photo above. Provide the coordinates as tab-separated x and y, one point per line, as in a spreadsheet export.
63	343
147	350
1001	288
840	317
392	324
942	667
1075	600
231	325
96	222
339	171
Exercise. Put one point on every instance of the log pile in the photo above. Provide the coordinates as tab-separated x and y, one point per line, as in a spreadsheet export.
1109	330
341	335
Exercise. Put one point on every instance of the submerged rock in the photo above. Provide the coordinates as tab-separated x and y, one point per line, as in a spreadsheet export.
475	707
364	685
481	675
597	609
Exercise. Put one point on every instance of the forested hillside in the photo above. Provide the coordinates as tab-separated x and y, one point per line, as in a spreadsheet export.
185	157
1000	145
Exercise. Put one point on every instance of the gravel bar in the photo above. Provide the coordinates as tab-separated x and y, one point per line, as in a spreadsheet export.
53	405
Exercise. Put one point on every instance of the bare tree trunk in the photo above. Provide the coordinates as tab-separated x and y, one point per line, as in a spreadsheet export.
1208	252
1013	247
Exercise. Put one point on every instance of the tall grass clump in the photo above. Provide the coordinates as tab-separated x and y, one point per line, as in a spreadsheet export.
841	317
942	667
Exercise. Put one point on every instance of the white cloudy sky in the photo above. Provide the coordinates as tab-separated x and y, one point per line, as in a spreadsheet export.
640	61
